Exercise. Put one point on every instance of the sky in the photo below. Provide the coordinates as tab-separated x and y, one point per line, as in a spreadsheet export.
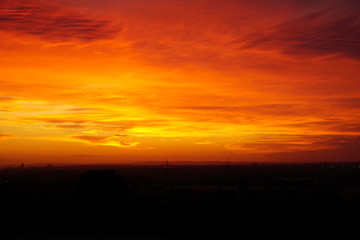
90	81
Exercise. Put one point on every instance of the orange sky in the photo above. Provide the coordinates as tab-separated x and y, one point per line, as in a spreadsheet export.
90	81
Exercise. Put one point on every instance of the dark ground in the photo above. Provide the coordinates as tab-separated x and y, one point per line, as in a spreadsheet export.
181	202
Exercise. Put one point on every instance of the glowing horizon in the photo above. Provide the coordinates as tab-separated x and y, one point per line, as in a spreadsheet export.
140	80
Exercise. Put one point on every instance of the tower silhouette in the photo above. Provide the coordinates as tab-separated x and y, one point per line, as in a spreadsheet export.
227	167
167	169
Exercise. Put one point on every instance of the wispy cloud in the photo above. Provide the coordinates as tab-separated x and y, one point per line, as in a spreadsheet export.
70	126
4	136
283	143
53	22
92	139
106	141
6	98
317	34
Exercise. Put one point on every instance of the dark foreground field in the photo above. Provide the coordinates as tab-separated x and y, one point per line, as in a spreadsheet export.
181	202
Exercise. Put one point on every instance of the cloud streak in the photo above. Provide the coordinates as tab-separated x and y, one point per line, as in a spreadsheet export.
53	23
106	141
6	98
4	136
316	34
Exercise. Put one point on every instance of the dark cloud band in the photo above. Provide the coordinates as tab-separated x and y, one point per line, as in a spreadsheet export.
54	24
325	32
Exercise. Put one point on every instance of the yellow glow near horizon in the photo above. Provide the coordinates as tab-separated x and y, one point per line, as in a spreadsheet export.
194	80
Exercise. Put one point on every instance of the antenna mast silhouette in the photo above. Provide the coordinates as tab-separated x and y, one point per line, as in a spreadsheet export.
325	162
167	168
227	166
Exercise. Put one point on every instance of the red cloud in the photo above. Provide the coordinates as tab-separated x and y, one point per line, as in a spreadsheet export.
92	139
317	34
53	23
